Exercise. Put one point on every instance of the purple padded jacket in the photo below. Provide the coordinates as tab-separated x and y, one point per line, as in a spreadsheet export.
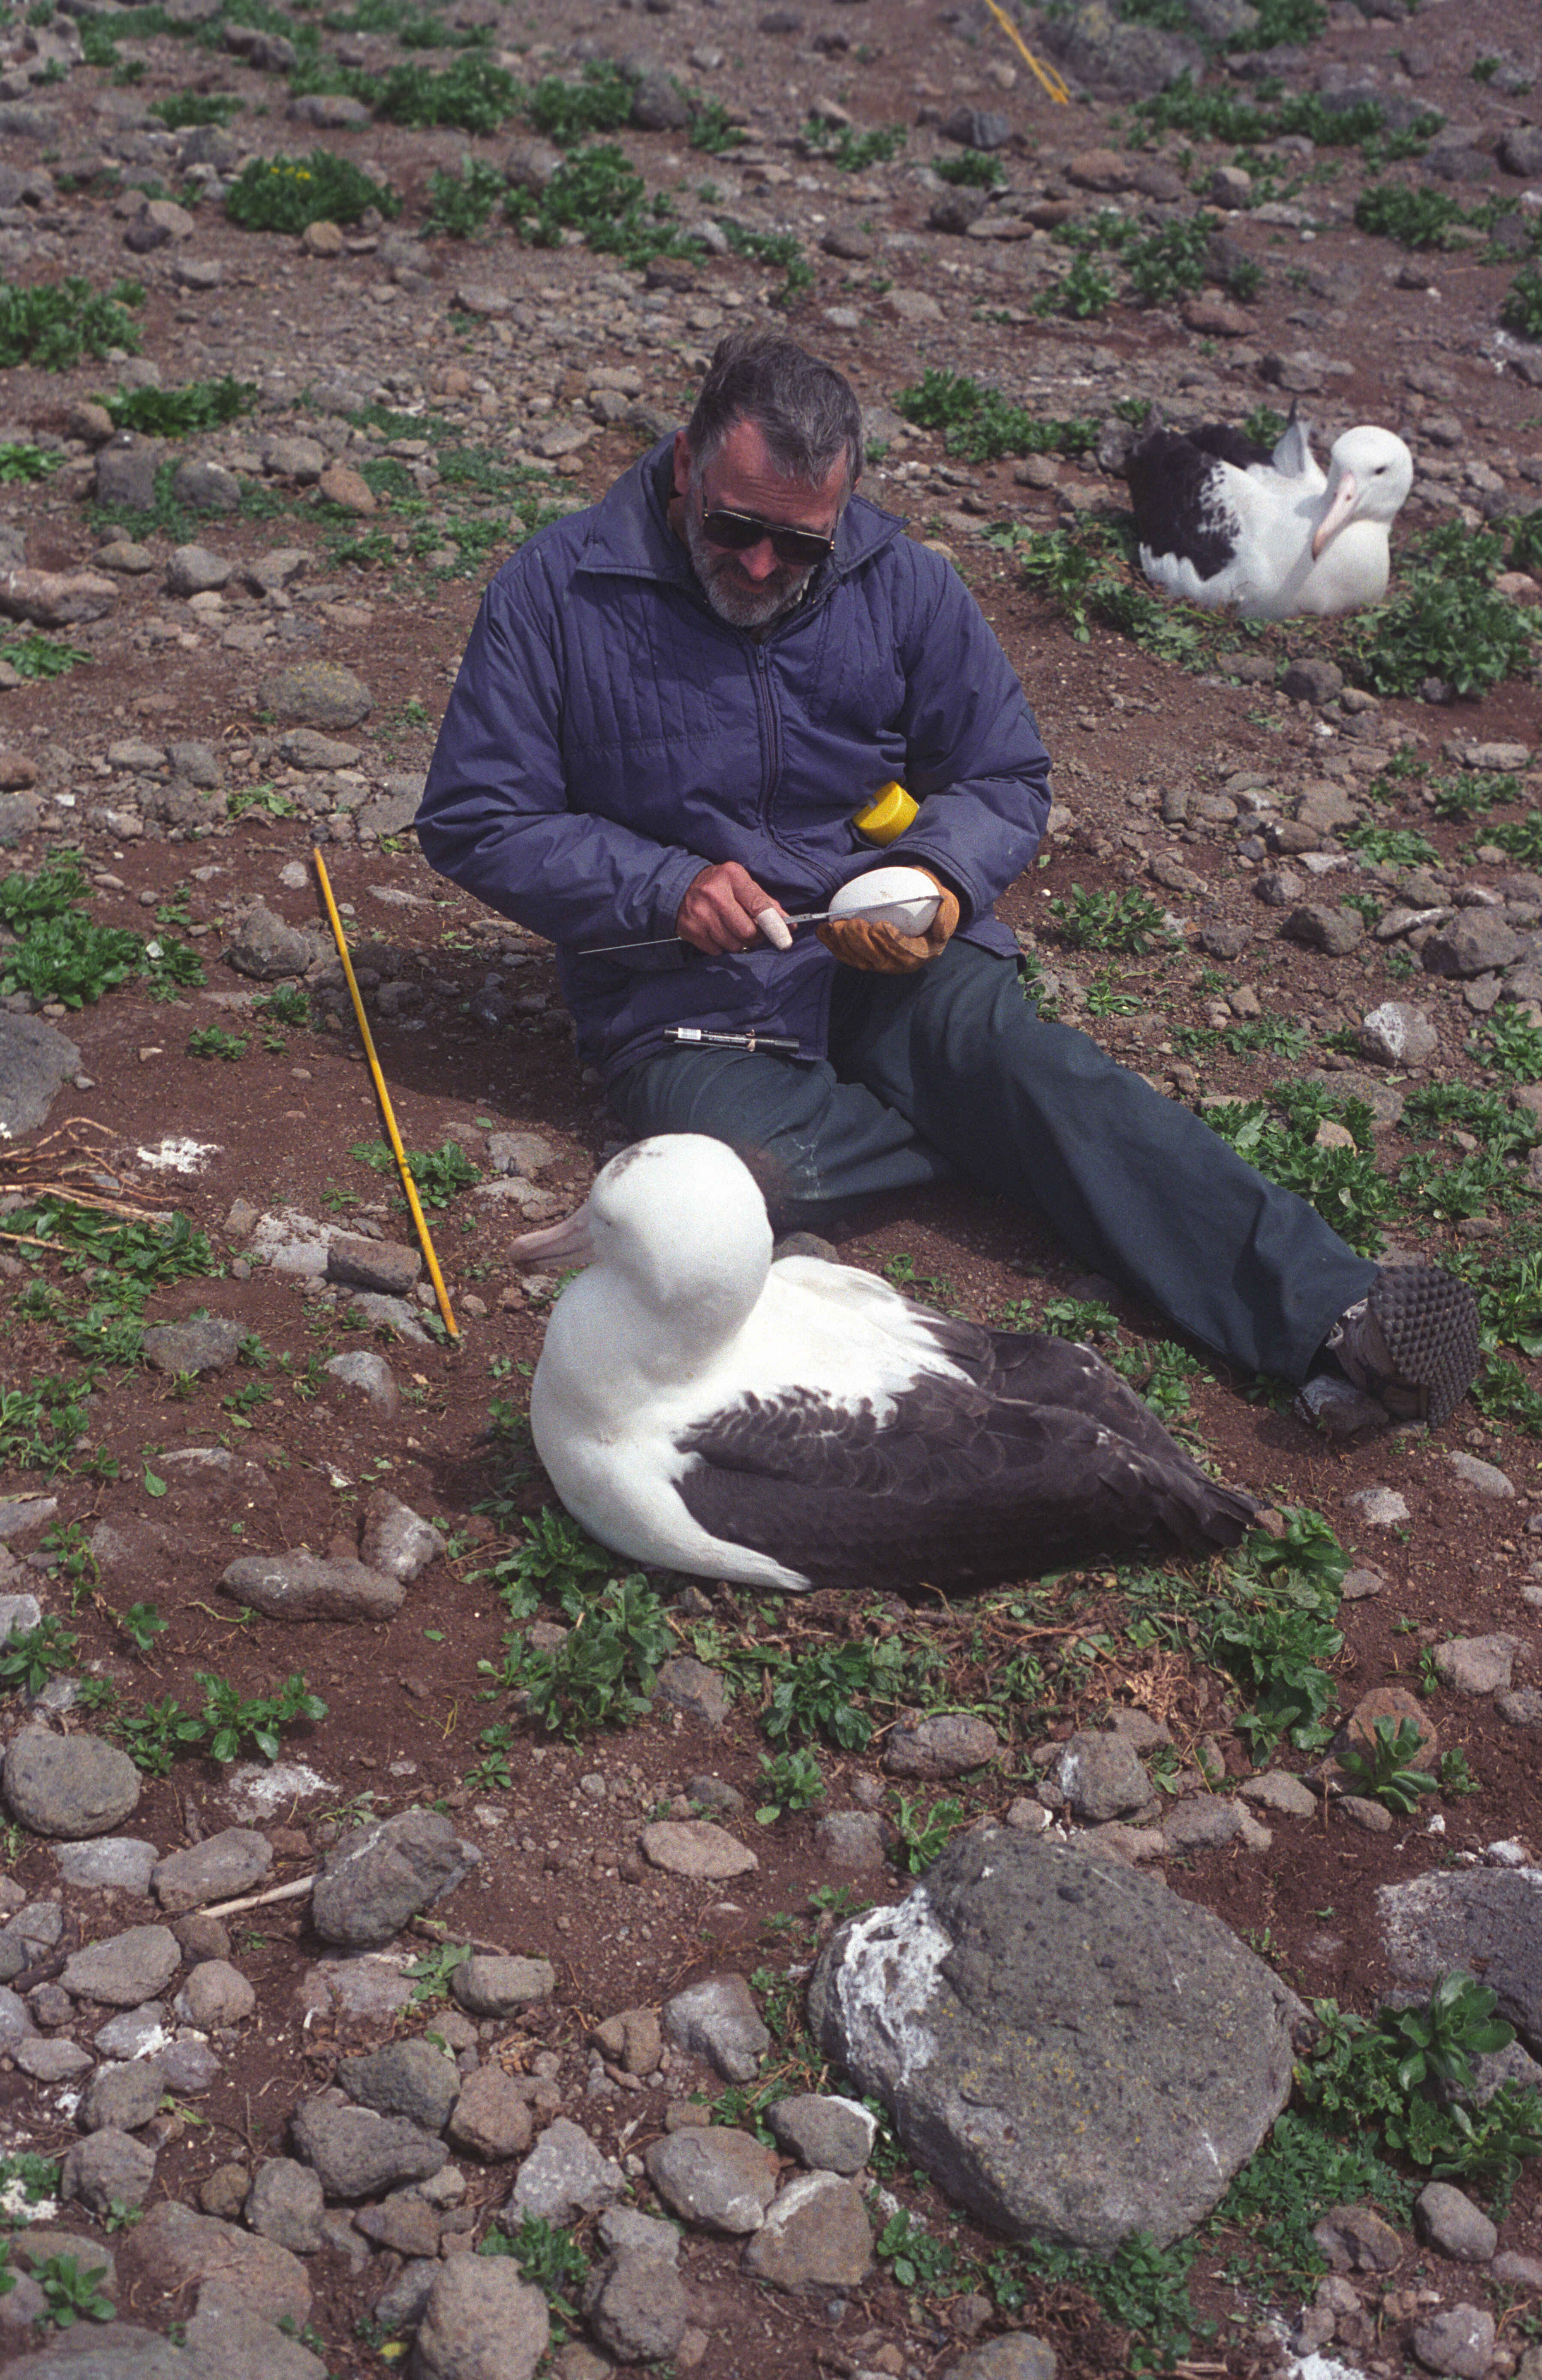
608	736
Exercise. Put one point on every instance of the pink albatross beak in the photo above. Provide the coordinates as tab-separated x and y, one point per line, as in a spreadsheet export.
1344	498
570	1239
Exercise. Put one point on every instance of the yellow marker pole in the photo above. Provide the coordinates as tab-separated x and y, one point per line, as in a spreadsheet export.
1047	75
440	1292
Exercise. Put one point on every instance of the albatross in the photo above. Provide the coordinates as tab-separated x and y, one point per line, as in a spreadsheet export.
799	1424
1223	521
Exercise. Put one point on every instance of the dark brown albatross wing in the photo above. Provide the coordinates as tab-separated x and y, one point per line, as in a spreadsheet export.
1053	1462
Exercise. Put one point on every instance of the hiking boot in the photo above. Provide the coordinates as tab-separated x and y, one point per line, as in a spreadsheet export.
1411	1341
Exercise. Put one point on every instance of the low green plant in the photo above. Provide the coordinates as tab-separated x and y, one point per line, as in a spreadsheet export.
37	656
1456	1777
1129	920
72	2292
286	194
1389	846
597	191
551	2260
1474	793
568	113
440	1173
1405	2080
183	108
1522	838
821	1693
924	1835
158	1734
780	249
460	205
19	459
179	412
1345	1184
430	1974
1522	309
916	2258
1141	2288
973	169
233	1721
850	151
713	130
51	325
1507	1045
142	1623
1415	216
557	1558
790	1780
29	1657
980	424
213	1043
1448	621
1084	292
605	1669
1525	532
1385	1770
473	95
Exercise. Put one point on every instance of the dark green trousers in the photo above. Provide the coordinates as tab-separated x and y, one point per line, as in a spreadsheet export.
951	1071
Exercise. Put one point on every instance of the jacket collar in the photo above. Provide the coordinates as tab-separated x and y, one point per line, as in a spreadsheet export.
629	535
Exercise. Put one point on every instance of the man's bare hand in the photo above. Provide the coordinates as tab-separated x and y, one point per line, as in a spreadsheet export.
720	908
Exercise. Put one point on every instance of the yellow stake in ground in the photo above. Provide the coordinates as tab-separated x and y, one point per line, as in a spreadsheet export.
1047	75
384	1096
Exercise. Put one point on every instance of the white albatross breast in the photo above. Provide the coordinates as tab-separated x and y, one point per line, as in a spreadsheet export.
1222	522
801	1424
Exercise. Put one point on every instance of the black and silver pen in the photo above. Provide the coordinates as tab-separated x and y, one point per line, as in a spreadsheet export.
699	1034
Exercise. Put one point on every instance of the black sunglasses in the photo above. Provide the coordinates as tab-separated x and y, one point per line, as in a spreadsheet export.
736	532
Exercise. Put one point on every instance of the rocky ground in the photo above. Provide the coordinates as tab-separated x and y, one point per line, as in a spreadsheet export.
249	1475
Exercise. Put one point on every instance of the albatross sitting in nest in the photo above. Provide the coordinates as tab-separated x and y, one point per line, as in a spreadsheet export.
800	1424
1223	521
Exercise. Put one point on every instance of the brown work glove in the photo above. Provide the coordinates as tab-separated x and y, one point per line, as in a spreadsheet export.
881	950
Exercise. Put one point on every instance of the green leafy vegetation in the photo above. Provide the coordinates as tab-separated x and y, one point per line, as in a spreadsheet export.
1385	1768
473	95
21	460
1522	309
550	2258
1345	1185
980	424
1419	217
37	656
1215	112
72	2292
183	108
568	113
597	191
781	250
440	1173
60	955
54	323
850	151
605	1669
179	412
461	205
288	193
213	1043
973	169
789	1781
1128	921
1448	622
1405	2081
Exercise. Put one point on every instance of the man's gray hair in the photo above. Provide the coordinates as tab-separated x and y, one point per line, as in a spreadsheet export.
806	412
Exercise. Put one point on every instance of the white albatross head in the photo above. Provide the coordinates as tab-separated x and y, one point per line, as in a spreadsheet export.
1370	472
677	1219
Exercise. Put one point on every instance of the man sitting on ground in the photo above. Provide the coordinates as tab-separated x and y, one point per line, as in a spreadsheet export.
670	710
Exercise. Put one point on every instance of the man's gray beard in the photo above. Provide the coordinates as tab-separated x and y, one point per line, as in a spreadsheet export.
740	607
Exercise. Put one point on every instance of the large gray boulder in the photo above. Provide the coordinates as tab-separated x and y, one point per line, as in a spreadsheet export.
36	1061
1072	2051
